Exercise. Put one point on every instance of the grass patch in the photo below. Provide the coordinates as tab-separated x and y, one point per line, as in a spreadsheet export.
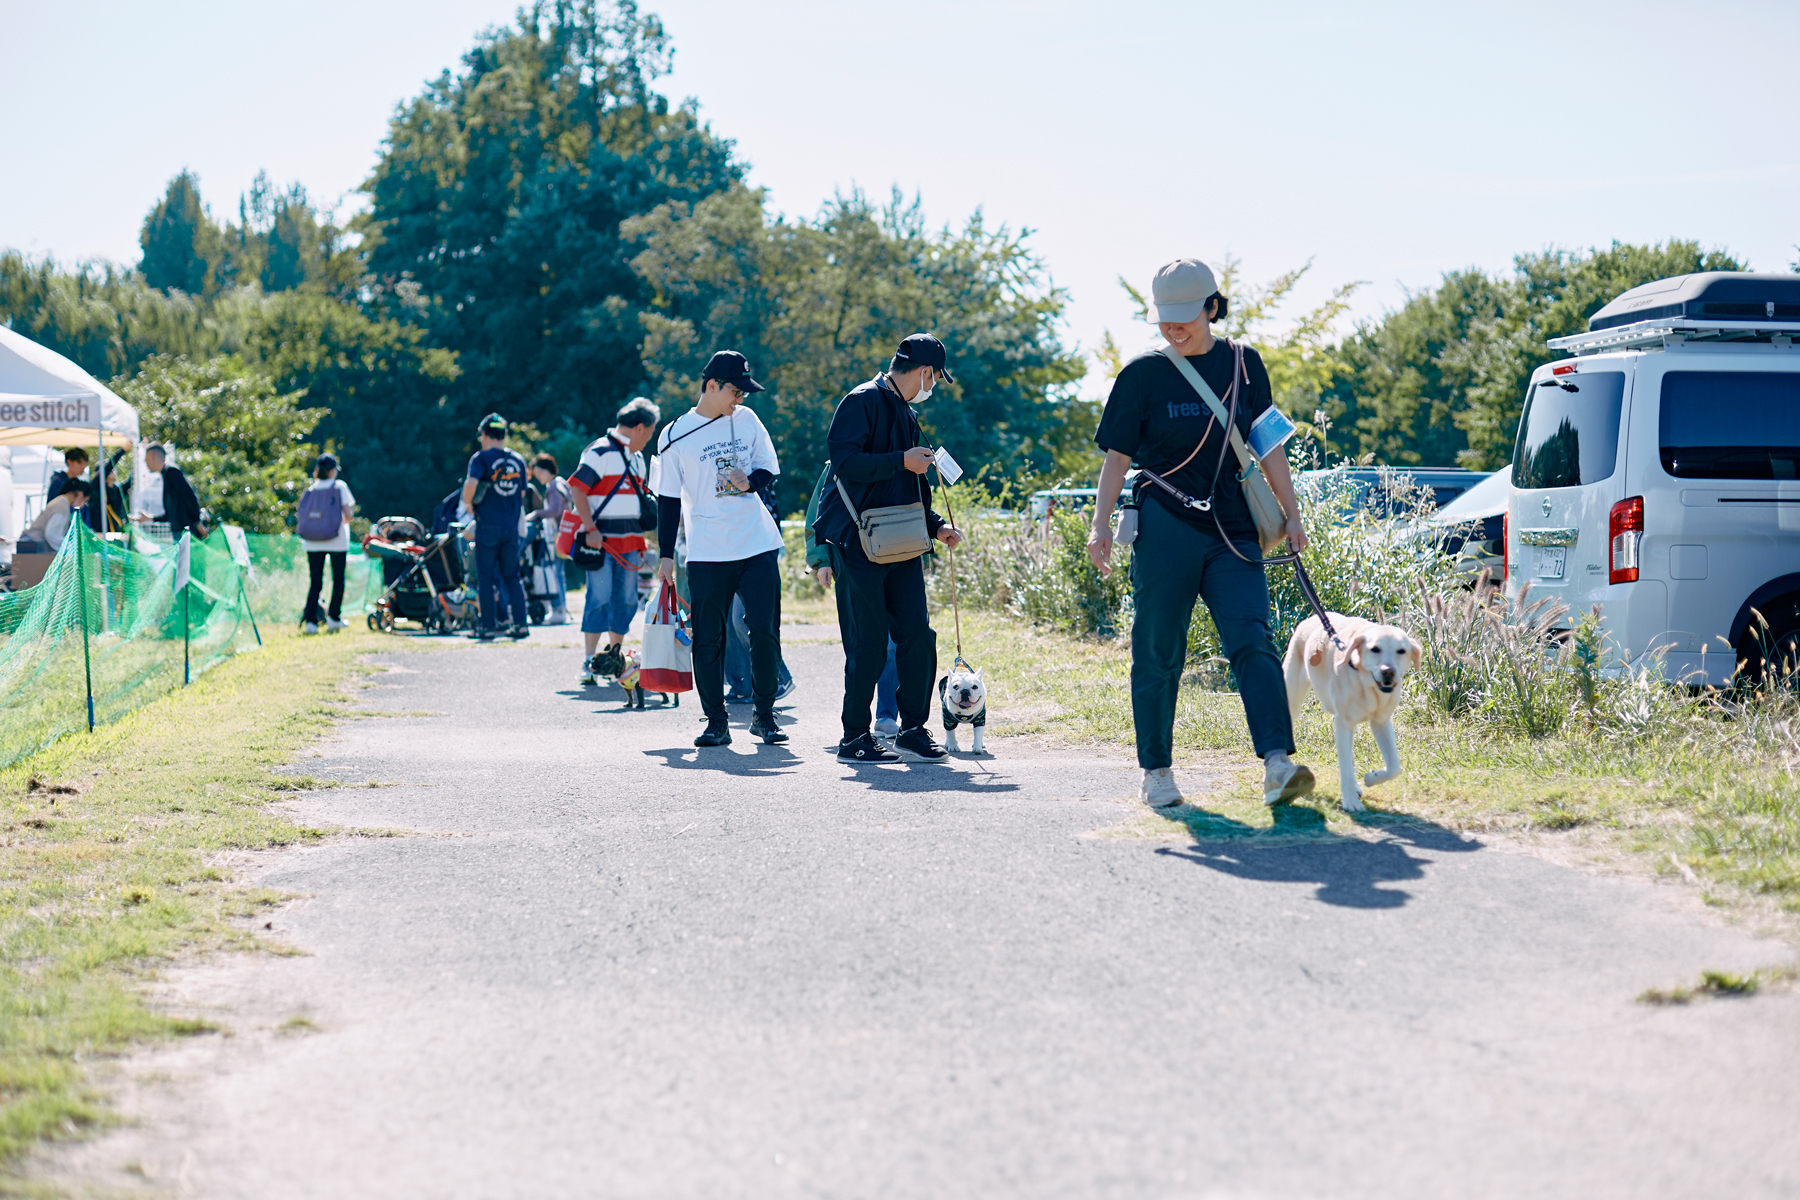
1721	984
1728	824
106	850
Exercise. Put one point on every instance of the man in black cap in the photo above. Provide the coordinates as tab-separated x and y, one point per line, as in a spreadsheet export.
716	458
879	460
494	491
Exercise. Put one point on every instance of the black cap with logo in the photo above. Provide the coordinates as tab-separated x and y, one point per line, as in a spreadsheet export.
923	350
728	366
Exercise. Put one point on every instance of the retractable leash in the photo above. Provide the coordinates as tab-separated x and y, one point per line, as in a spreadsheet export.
956	608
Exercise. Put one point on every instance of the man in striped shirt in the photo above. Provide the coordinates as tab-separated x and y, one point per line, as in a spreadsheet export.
604	490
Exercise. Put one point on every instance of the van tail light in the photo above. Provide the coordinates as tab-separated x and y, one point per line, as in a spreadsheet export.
1505	547
1625	528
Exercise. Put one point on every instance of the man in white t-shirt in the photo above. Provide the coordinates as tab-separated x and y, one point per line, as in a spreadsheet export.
715	460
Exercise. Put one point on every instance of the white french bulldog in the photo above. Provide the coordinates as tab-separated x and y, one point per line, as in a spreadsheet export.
964	699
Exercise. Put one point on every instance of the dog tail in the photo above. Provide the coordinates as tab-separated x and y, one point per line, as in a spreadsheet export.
1293	670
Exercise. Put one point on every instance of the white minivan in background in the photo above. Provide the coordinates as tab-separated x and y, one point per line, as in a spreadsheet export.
1656	475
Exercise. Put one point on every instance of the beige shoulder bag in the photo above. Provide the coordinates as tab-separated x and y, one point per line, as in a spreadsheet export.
1265	510
893	534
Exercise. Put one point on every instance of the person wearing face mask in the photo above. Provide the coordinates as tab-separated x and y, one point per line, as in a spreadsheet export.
879	460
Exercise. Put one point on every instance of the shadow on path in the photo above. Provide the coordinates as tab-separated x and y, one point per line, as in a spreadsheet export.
763	760
1299	848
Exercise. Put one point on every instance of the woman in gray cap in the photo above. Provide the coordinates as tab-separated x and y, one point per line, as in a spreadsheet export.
1166	424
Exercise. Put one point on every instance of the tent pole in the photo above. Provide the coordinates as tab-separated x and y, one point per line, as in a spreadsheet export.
87	661
100	472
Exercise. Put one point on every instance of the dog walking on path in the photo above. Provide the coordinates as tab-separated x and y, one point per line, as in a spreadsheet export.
1357	678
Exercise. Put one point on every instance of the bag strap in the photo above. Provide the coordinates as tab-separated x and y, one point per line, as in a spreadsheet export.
855	518
1207	394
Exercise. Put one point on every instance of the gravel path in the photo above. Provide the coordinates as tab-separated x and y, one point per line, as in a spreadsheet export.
617	966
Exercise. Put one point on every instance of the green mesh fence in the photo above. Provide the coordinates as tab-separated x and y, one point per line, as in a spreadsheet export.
107	623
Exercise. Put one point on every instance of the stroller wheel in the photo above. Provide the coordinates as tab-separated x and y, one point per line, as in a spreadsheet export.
375	620
537	611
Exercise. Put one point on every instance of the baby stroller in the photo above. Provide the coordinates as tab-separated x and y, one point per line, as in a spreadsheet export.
540	568
423	578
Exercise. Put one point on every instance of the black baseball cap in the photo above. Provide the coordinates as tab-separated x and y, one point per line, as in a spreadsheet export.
728	366
923	350
494	425
327	462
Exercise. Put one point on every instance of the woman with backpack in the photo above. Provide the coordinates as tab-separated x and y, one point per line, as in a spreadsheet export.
324	515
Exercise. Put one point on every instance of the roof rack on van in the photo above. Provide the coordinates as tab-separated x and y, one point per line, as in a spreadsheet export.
1708	306
1666	333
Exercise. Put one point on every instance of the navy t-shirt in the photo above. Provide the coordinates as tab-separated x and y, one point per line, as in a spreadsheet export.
1155	416
499	504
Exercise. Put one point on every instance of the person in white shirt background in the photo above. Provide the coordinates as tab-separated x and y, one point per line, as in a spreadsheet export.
336	547
714	459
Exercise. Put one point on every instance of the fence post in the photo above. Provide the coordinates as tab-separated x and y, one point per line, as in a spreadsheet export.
87	661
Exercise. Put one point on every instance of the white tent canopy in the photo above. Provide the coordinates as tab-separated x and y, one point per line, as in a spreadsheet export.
46	400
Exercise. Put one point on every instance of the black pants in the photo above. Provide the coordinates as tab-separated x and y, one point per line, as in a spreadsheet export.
315	567
711	585
1174	564
876	601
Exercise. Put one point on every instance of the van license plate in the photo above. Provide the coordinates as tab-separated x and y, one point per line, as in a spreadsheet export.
1550	561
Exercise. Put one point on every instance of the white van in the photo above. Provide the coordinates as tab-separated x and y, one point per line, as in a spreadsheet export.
1657	474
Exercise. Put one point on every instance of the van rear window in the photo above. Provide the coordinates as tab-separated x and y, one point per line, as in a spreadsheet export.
1568	438
1731	424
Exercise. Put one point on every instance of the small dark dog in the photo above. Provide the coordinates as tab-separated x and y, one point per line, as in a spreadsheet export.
964	699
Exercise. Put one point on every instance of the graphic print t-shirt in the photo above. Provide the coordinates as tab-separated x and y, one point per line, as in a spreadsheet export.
1155	416
696	460
604	465
504	473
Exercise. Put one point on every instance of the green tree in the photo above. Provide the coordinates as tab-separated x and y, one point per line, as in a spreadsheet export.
241	440
181	242
820	305
366	375
494	219
1442	379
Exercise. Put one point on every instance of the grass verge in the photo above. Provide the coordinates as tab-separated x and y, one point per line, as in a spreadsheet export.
1731	826
108	844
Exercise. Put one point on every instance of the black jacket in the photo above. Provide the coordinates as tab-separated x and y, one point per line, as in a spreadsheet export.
870	434
181	508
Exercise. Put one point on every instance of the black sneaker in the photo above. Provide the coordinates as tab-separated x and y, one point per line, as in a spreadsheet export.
486	635
915	745
518	632
865	749
765	728
718	733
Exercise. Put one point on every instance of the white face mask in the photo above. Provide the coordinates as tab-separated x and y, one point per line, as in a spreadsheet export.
925	393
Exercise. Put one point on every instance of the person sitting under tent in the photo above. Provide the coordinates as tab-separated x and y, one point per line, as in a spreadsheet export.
45	535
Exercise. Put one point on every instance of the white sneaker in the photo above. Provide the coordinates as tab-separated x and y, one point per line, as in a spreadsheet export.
886	727
1159	789
332	625
1284	779
558	616
310	627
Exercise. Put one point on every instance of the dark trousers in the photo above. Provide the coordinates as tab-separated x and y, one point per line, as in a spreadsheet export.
737	655
496	567
315	567
876	601
711	586
1172	565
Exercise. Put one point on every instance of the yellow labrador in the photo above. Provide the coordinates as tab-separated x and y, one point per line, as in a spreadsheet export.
1357	682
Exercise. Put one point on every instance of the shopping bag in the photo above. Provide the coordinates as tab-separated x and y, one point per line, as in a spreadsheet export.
668	655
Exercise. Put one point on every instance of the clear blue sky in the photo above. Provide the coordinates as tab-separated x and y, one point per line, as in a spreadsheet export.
1387	142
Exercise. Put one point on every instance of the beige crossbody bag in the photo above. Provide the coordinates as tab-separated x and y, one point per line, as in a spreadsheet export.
894	534
1265	510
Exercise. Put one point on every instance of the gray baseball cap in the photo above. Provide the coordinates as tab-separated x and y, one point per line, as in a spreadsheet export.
1181	289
